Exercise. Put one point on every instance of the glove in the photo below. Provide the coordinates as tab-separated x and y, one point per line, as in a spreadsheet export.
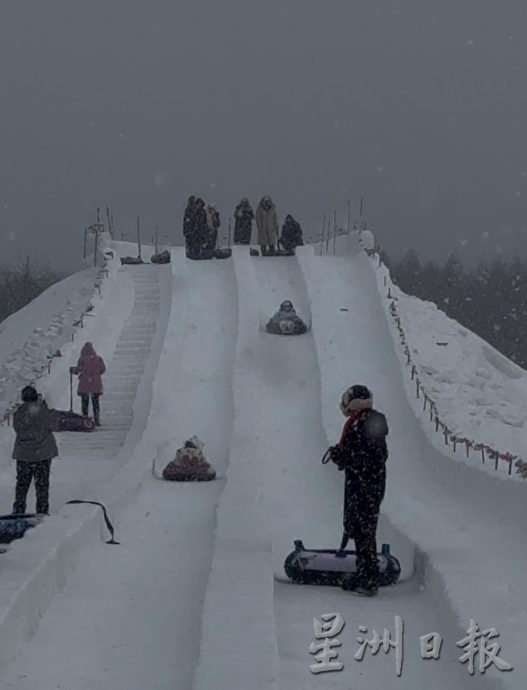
72	370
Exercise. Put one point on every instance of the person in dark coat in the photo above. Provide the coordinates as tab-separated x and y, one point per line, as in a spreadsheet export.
188	216
190	229
197	236
90	369
286	321
34	449
243	222
362	454
291	234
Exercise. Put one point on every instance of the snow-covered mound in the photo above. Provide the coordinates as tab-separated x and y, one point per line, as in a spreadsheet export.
479	394
35	332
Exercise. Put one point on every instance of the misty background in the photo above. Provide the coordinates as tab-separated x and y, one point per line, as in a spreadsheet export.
418	106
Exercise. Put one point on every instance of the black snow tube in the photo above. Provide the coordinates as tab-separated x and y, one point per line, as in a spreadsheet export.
15	526
286	327
131	260
189	476
324	567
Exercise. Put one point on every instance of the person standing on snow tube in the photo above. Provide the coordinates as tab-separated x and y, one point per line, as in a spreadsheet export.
291	235
286	321
35	447
267	224
90	369
362	454
243	222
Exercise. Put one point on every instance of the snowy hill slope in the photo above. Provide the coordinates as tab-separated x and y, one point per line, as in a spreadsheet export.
479	394
267	407
29	335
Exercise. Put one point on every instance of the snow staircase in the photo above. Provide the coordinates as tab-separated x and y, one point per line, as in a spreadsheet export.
124	372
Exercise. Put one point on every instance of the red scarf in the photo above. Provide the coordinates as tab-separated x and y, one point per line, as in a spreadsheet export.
355	414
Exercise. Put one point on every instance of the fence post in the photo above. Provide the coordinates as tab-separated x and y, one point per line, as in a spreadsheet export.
138	237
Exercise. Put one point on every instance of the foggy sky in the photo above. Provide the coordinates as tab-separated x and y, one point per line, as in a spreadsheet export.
419	106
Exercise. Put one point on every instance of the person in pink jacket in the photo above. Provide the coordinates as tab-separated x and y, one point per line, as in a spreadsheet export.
90	369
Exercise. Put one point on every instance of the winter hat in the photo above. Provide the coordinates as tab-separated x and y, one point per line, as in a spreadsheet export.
357	397
194	442
29	394
287	305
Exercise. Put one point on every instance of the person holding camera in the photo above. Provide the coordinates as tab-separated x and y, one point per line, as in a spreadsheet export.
35	447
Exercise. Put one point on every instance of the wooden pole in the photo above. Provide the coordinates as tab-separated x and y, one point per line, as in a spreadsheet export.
230	227
98	216
322	234
327	233
108	221
334	232
95	248
138	237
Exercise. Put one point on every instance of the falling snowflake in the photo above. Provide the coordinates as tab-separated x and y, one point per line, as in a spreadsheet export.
159	179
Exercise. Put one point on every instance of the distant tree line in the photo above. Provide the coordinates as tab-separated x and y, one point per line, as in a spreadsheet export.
490	300
21	283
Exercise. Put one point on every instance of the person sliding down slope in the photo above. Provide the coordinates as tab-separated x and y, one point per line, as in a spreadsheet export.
189	465
286	321
362	454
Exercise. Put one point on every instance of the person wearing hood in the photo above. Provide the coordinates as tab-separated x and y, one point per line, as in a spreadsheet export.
188	217
291	234
197	238
34	449
267	224
243	222
189	464
195	227
213	225
90	369
286	321
362	453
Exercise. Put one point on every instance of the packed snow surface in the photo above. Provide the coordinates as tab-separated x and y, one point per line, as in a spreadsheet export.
189	599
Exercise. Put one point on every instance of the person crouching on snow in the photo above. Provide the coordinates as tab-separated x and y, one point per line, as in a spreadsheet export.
190	464
362	454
